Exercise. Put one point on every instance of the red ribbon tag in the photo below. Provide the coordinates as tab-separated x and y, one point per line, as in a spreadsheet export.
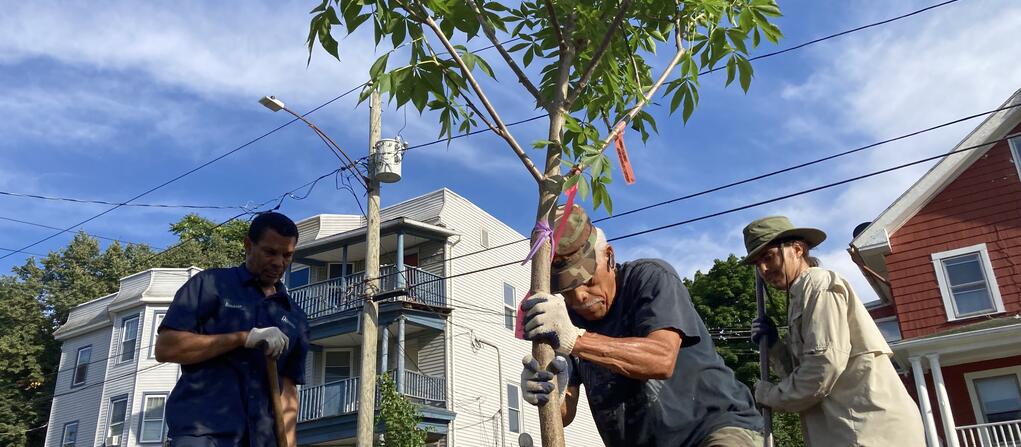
625	163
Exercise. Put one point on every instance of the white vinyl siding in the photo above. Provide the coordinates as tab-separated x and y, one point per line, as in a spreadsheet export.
153	427
967	282
509	306
70	435
115	423
81	365
129	338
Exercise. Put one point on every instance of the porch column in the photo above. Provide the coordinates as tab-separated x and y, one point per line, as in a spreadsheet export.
928	422
343	263
401	282
949	426
384	350
401	352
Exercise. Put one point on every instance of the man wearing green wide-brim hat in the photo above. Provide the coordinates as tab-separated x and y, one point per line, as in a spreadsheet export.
834	364
651	373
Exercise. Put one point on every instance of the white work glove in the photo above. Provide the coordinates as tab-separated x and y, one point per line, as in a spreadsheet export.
537	385
269	338
762	389
546	318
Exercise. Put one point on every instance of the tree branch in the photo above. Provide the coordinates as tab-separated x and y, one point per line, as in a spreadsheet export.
555	24
504	132
645	99
598	55
522	78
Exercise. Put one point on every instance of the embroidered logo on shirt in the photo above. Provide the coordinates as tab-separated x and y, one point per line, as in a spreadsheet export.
232	305
285	320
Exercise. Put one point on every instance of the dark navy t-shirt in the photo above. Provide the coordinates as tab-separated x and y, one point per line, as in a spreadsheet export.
228	395
701	397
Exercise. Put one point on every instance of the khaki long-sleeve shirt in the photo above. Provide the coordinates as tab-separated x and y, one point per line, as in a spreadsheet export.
837	372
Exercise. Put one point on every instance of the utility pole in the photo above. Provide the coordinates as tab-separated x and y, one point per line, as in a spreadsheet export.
370	311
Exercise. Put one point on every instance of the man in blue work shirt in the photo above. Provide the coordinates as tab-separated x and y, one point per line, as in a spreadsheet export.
221	327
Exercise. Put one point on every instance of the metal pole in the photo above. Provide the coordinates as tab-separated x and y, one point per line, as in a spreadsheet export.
767	413
370	312
499	372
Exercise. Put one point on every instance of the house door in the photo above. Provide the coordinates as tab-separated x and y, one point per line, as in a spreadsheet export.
339	391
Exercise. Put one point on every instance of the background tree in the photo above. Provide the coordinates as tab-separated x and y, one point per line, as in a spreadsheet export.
593	64
38	295
399	416
725	299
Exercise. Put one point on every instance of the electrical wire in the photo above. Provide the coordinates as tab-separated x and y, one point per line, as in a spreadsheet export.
104	202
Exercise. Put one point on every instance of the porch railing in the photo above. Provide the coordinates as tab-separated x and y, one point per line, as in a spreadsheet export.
340	294
341	397
997	434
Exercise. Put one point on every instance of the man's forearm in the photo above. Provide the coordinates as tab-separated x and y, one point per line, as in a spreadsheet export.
651	357
187	348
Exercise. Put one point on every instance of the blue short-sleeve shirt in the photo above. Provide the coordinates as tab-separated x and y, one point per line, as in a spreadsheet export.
229	394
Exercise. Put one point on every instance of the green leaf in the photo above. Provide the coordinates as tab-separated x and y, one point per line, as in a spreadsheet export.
745	69
541	144
731	69
331	15
527	58
484	66
320	8
399	32
518	47
379	66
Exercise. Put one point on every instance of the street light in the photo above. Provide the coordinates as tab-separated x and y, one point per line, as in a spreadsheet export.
276	105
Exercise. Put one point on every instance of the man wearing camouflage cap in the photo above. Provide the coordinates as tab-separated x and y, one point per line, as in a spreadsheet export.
651	373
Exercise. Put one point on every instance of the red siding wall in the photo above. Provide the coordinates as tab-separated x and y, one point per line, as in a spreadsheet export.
957	389
982	205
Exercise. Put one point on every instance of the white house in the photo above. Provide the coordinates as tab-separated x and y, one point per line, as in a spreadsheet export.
447	340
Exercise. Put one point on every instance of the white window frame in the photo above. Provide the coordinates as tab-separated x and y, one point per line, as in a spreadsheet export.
512	310
124	333
77	364
886	319
515	406
351	360
969	379
944	281
63	436
1015	152
157	318
143	420
110	422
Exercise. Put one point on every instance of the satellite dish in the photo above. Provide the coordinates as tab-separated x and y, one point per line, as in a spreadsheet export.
525	440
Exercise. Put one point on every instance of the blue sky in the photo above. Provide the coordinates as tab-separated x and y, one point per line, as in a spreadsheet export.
103	101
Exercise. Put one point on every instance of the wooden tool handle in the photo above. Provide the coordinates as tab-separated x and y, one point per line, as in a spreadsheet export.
278	405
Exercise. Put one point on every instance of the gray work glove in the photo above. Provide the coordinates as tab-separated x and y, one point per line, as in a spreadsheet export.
764	327
537	385
271	339
546	318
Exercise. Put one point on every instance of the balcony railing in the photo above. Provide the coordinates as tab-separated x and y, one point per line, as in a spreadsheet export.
341	397
997	434
340	294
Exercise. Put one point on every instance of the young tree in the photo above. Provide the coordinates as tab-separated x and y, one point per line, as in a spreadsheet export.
594	61
399	416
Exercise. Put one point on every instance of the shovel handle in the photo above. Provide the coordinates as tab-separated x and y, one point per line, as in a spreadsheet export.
278	405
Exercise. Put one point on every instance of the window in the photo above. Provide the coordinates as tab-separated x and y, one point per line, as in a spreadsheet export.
509	306
157	319
513	409
967	282
484	238
118	412
70	434
890	328
298	278
995	394
153	429
336	270
1015	151
81	365
336	366
129	337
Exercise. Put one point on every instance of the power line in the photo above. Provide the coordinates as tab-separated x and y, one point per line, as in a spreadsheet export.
25	252
180	176
104	202
50	227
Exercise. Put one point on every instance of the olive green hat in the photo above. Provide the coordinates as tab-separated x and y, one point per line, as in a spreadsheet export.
762	232
575	260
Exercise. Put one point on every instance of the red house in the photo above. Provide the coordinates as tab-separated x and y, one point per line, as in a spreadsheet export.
945	260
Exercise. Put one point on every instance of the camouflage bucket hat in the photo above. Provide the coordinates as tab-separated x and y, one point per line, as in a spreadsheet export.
575	260
762	232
